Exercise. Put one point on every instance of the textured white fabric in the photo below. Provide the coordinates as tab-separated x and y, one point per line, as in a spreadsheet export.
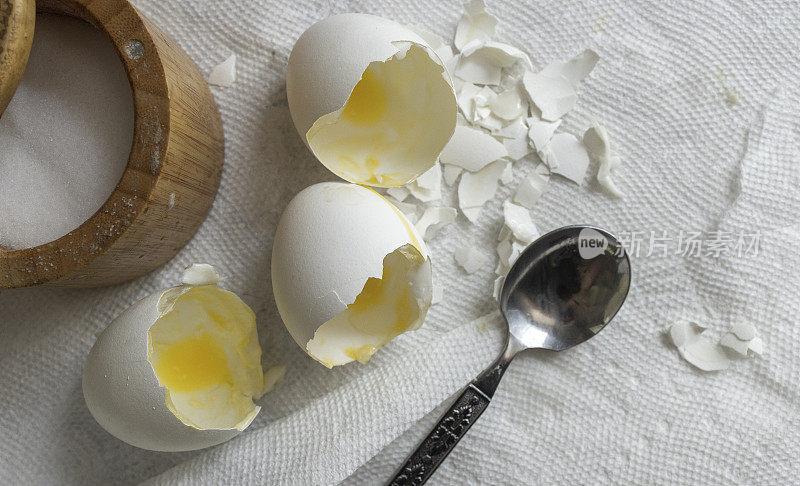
623	408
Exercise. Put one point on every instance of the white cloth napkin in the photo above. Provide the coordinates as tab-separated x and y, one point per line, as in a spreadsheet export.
701	100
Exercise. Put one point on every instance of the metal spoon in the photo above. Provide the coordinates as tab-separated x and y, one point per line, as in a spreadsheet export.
562	290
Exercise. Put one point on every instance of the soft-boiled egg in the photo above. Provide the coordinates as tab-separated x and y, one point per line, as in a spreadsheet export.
370	98
179	369
349	272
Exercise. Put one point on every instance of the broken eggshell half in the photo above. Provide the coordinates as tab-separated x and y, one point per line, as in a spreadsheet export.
370	98
179	369
349	272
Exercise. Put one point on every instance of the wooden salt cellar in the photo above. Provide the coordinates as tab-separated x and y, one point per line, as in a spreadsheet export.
173	170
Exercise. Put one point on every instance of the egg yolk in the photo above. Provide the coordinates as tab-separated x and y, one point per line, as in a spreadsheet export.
386	307
193	364
378	294
367	103
394	124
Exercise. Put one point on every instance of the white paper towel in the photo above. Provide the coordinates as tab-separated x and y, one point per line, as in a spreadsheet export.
623	408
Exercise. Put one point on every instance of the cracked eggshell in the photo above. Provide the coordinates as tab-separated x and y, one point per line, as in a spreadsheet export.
331	238
122	391
328	59
325	65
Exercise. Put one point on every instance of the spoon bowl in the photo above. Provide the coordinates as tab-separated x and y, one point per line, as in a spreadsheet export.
557	295
564	288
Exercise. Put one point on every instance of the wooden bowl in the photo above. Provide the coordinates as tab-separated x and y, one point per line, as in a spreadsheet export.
173	171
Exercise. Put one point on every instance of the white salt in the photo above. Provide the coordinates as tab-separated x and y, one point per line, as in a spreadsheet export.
66	135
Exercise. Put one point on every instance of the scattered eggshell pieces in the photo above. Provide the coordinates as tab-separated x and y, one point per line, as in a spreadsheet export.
400	193
518	147
476	188
224	74
428	186
475	24
409	210
515	129
478	70
433	219
507	105
470	258
596	141
507	177
553	88
451	173
518	220
498	53
472	149
743	338
744	330
532	187
200	274
576	69
571	157
498	287
554	96
696	348
541	132
730	341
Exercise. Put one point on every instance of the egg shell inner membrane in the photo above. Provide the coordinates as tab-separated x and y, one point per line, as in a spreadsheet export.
386	307
395	123
204	350
331	238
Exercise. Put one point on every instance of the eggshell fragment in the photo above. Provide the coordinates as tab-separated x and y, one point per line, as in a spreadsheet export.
478	70
744	330
541	132
200	274
532	187
596	141
571	157
472	149
333	239
696	348
498	53
518	219
553	88
434	219
428	186
476	188
451	173
224	74
475	24
370	98
470	258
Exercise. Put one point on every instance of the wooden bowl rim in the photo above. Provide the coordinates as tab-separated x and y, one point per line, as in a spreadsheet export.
85	10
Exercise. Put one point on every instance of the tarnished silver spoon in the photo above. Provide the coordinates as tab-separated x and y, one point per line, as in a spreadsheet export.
562	290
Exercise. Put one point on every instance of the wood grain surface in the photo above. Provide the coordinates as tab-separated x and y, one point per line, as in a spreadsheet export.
173	171
17	18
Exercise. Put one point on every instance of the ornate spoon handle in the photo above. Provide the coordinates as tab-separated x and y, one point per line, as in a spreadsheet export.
453	425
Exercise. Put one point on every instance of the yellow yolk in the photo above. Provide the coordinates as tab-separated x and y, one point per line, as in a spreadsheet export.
386	307
362	354
378	293
192	364
367	102
396	121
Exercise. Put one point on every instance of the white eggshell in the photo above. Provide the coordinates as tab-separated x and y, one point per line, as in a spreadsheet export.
328	59
122	391
331	238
